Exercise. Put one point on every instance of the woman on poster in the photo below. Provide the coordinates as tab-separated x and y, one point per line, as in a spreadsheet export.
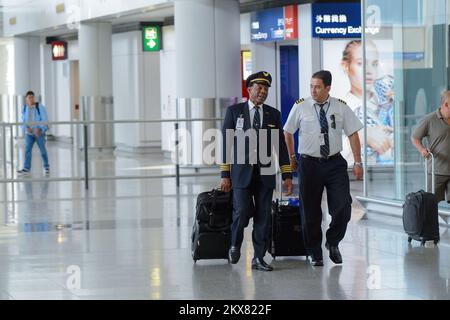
379	94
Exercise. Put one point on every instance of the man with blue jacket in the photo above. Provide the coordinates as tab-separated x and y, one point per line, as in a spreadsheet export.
32	114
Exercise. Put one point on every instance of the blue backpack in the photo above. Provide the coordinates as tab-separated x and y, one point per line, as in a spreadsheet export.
37	108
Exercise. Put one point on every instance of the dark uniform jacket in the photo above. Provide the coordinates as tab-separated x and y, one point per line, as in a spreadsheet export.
241	174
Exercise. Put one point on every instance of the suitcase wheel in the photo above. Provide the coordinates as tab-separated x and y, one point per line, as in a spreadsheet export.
194	256
409	239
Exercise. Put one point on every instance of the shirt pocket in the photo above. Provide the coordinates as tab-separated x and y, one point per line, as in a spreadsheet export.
339	121
309	125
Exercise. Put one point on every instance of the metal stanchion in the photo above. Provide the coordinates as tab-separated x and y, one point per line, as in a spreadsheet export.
5	168
5	173
11	141
177	165
86	145
85	142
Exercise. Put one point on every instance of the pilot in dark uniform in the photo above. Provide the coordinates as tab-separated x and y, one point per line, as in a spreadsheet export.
249	167
321	119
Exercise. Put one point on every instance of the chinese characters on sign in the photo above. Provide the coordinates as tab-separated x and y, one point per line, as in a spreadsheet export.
342	18
338	21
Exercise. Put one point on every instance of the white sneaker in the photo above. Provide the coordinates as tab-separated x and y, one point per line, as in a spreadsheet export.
47	171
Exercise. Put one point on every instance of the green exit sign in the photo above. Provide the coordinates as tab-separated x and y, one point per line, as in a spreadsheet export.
151	37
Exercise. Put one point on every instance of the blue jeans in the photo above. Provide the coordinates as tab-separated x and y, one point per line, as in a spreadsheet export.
29	142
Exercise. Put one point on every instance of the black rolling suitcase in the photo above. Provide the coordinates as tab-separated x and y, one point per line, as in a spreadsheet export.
420	212
211	233
286	236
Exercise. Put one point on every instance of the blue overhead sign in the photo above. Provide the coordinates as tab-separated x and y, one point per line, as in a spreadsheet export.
267	25
274	24
336	20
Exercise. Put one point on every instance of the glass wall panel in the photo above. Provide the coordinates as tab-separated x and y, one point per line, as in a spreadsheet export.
406	70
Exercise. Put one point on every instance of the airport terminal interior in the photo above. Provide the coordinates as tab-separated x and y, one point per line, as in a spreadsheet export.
133	89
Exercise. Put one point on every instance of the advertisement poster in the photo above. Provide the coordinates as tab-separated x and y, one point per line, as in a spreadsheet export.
344	59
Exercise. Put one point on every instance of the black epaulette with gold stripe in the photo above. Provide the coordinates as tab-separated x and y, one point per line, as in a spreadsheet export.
340	100
299	101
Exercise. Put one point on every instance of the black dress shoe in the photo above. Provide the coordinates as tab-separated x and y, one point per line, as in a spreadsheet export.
260	264
335	254
234	254
317	262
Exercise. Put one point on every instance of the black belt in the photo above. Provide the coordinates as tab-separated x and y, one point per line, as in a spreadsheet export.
322	159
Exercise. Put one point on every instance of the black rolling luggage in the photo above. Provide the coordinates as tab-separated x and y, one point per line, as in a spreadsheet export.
286	237
420	212
211	233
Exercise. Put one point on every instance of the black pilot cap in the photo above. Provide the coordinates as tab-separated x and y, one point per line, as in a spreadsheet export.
261	77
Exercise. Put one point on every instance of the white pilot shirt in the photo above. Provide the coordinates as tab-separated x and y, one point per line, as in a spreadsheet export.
305	117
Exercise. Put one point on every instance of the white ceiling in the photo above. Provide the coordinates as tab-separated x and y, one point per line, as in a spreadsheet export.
158	14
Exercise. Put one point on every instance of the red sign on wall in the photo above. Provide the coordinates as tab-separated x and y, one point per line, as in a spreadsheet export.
59	50
291	22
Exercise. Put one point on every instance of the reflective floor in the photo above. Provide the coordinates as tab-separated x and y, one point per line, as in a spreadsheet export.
130	239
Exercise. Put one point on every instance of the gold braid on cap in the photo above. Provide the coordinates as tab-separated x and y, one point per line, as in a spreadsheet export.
260	79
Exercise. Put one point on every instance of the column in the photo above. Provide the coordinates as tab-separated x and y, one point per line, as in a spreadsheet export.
264	59
27	72
7	82
27	65
96	82
208	64
308	50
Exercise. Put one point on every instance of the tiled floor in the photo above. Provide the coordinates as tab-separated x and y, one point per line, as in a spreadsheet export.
130	239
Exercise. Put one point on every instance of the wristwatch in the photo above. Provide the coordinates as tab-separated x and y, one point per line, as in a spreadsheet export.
359	164
292	156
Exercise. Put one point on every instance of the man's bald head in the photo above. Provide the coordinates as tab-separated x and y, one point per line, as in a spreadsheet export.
445	104
445	96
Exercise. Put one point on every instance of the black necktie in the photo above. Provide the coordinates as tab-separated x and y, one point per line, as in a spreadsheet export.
257	126
256	119
325	148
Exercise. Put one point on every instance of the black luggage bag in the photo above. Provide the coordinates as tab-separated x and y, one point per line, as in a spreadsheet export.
211	233
420	212
286	236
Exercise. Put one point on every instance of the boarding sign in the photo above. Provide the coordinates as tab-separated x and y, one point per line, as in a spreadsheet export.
336	20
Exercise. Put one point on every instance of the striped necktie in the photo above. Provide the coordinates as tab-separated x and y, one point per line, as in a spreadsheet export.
256	119
325	148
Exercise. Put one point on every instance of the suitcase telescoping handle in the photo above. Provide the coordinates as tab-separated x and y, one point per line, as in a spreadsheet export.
433	185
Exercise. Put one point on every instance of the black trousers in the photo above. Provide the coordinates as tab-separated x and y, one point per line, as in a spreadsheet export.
253	201
314	176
